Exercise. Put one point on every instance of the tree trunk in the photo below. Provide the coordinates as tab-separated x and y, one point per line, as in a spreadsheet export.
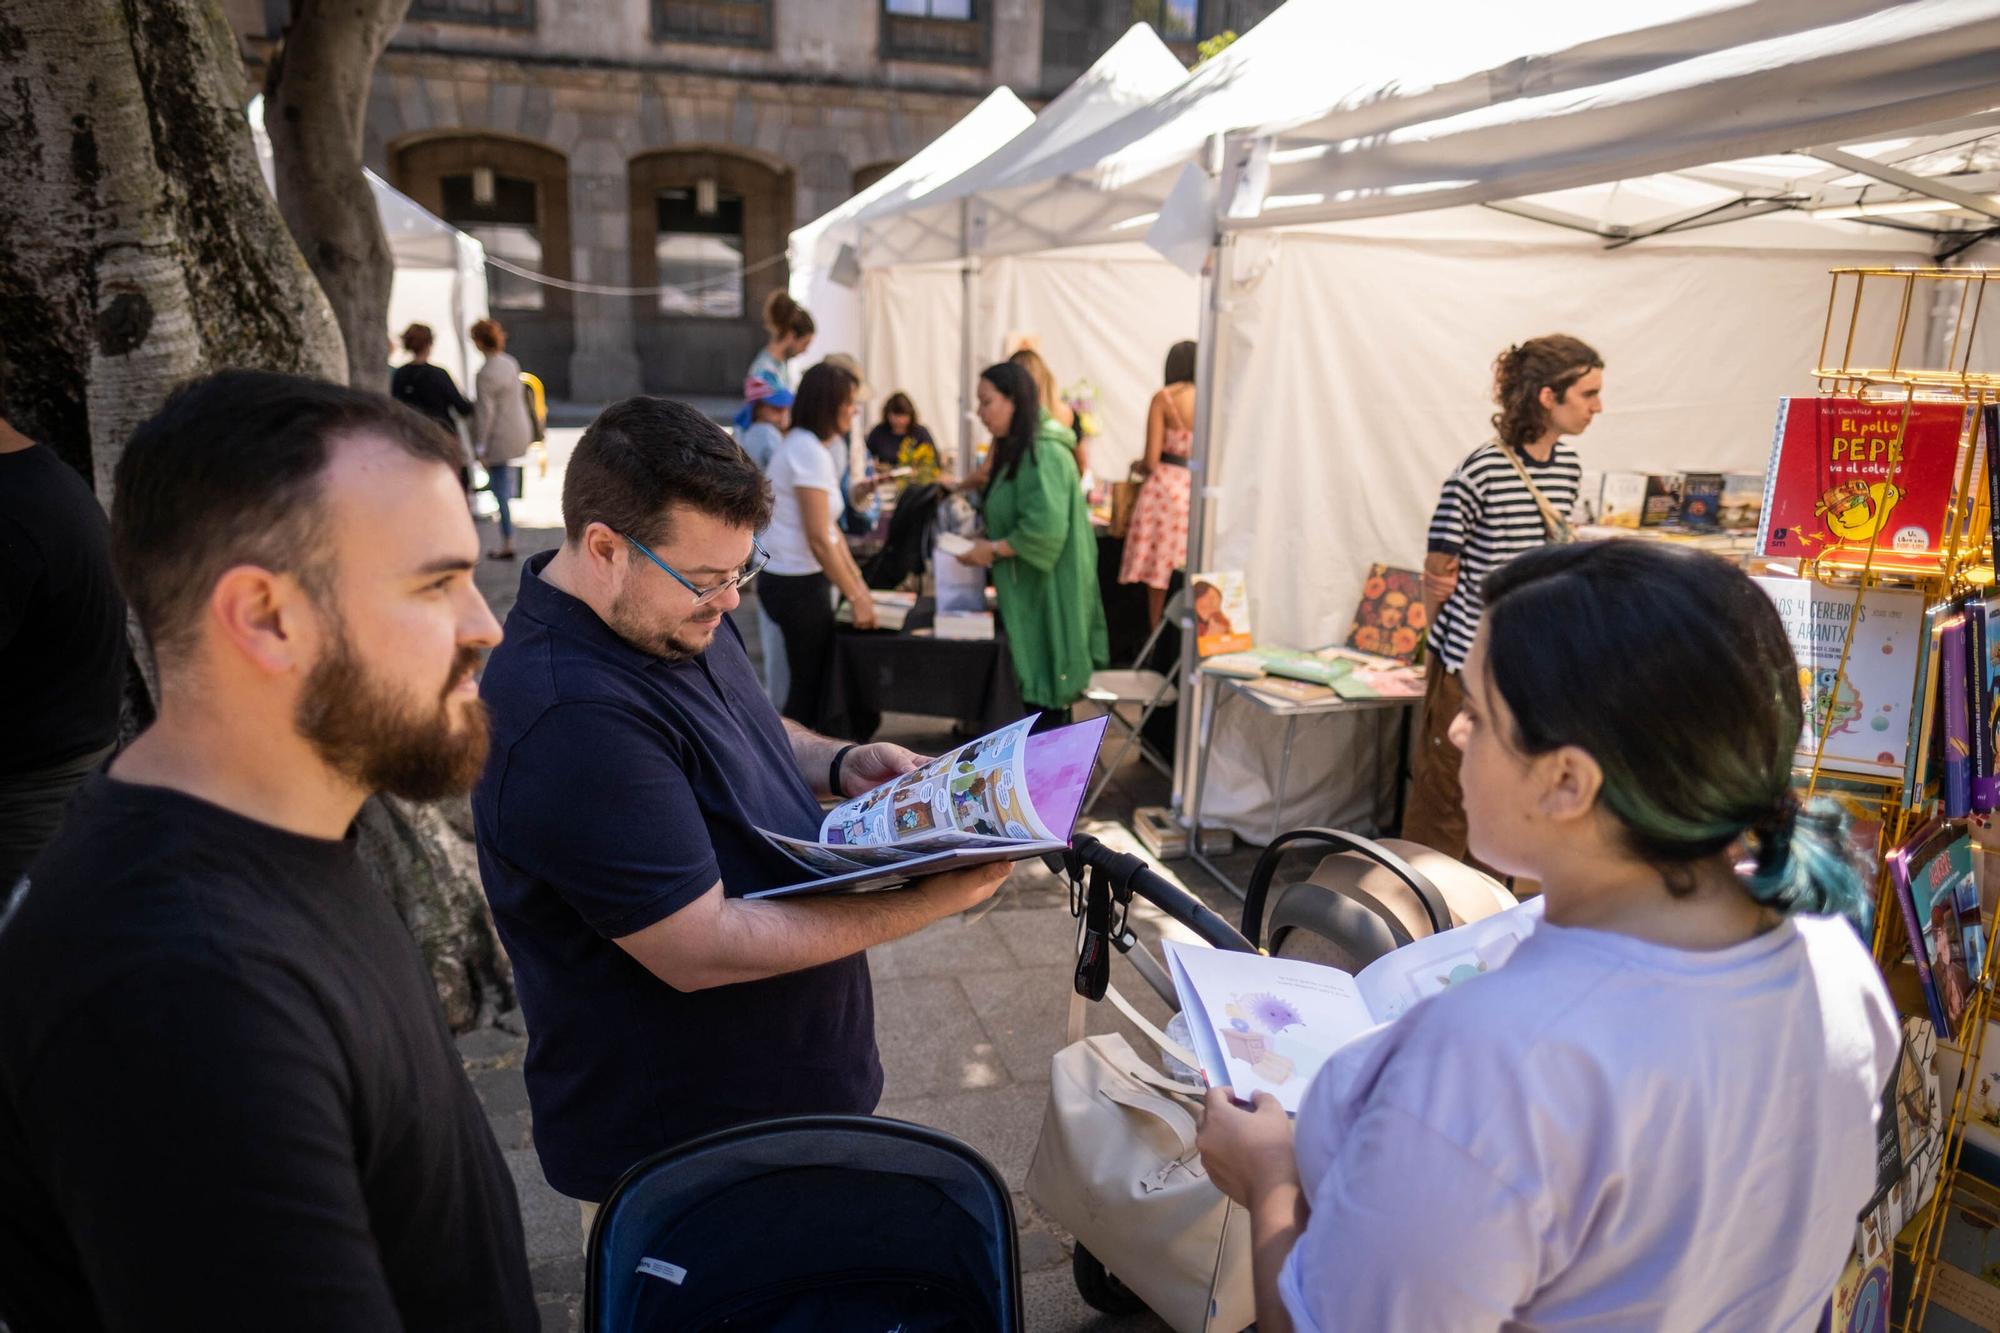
316	98
138	248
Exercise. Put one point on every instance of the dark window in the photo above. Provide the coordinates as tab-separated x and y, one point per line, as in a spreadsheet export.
508	224
949	31
700	253
495	13
723	22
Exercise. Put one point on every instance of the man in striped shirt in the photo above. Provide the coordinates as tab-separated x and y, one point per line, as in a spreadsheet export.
1512	494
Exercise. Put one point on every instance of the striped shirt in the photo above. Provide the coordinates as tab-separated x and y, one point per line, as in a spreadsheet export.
1486	517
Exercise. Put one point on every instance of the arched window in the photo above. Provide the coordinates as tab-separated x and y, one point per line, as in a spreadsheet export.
708	229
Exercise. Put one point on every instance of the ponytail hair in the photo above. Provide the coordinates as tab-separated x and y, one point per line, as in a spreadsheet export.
1802	862
1672	670
784	317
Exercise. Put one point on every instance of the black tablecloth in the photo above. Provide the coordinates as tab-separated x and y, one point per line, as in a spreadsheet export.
877	671
1124	603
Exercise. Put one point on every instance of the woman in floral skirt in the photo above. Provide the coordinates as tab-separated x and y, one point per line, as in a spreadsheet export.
1156	541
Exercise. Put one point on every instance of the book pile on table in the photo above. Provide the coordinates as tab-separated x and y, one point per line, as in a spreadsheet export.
1346	673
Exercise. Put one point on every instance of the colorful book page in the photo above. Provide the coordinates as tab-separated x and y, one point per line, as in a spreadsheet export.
1390	619
1847	476
1865	712
1221	612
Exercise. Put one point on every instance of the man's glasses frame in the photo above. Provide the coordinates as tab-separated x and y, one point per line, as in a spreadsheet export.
759	557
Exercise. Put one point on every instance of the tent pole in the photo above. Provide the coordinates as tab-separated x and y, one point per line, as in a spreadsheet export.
968	361
1214	333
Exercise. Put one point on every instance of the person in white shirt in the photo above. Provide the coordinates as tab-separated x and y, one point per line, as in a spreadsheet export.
809	557
1660	1112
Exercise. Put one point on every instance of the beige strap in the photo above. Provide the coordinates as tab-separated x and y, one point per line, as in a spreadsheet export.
1229	1211
1153	1034
1554	524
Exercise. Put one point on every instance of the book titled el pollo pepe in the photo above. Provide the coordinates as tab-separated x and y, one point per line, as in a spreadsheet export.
1847	476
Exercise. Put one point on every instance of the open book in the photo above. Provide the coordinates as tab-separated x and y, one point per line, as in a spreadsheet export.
1264	1024
1004	797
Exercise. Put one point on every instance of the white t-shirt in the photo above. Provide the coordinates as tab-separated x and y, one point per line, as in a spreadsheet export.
1602	1134
801	460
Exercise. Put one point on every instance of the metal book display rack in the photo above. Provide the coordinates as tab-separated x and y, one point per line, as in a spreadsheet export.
1910	335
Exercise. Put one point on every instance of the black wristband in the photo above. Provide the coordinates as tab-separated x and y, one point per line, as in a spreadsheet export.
833	769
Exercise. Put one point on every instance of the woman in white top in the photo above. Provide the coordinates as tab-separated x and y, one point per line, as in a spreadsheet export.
501	430
1660	1112
809	558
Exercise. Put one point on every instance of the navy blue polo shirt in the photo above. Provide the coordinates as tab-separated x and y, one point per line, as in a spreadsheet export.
620	787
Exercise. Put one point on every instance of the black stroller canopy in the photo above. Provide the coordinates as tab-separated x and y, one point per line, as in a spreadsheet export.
807	1223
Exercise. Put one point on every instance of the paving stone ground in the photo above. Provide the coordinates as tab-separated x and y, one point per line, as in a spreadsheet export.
968	1013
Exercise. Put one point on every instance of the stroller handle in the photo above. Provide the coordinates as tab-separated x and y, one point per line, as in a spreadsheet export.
1130	874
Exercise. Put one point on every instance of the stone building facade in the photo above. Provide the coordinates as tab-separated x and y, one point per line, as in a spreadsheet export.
673	144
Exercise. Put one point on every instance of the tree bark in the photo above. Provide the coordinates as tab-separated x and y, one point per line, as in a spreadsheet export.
316	98
139	248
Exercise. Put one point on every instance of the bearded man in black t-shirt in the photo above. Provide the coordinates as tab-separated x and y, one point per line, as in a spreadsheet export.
228	1097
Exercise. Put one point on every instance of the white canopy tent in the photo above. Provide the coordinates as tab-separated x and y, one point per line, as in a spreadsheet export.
824	275
1378	254
440	275
936	310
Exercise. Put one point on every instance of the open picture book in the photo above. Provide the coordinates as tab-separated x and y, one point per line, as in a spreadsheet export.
1264	1024
1004	797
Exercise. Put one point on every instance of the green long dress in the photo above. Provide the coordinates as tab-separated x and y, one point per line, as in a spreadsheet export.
1049	600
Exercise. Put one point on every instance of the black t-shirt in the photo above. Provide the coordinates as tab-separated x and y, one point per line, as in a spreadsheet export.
887	445
228	1098
62	620
428	389
619	789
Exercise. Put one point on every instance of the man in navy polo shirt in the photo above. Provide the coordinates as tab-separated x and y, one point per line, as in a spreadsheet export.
635	756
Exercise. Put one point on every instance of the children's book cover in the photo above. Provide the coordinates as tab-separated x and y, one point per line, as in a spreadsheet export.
1847	475
1864	712
1221	613
1390	619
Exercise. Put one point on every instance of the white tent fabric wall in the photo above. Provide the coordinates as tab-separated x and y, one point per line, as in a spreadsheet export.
1105	314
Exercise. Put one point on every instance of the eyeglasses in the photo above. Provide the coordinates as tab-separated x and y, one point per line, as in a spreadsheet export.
759	557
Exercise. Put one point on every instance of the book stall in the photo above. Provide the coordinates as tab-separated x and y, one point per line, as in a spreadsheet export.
1875	542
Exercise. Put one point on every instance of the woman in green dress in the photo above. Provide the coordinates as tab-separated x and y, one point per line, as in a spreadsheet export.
1039	545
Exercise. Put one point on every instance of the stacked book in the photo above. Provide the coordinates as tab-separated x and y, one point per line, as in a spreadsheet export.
1294	675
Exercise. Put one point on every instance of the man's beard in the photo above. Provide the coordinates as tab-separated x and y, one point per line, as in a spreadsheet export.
370	734
676	645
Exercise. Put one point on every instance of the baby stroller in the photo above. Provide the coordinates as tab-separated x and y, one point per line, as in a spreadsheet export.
807	1223
1362	899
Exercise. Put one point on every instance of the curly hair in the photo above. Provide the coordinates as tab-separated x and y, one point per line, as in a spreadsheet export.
1554	361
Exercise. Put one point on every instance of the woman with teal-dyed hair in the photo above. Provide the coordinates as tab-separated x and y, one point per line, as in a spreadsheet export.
1660	1111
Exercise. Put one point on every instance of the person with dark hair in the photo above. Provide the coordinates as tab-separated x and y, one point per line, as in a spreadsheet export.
809	557
502	428
1039	546
62	644
429	389
635	760
1510	495
900	440
1156	538
228	1097
1693	1024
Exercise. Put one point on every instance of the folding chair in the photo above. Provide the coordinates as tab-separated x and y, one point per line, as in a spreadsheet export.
1142	686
